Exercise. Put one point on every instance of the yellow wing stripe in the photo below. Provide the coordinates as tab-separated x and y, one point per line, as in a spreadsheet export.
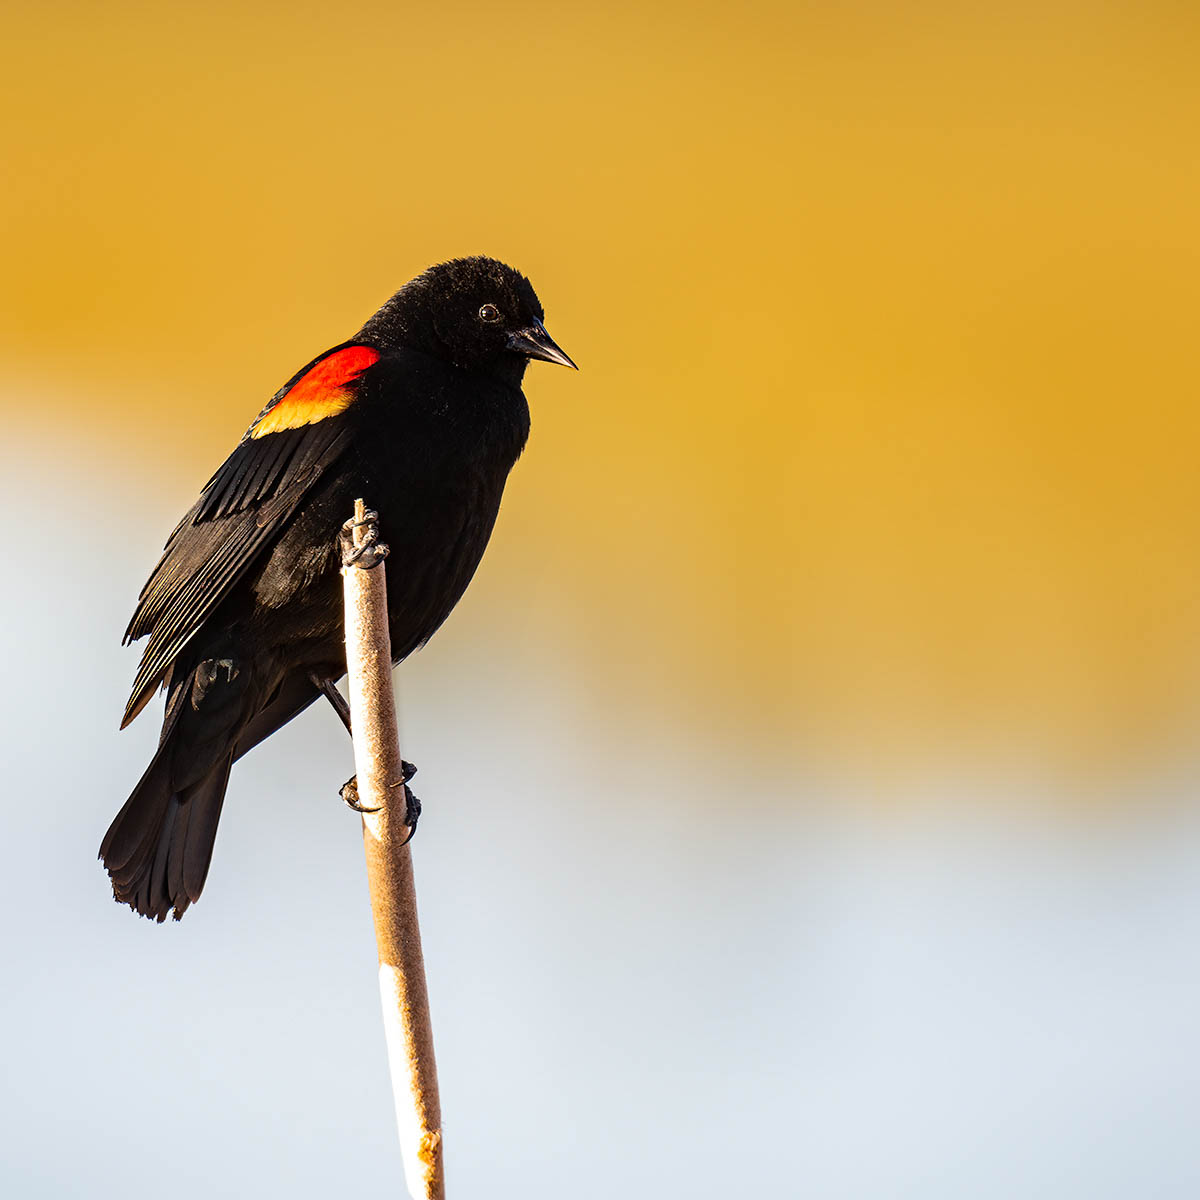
320	393
292	414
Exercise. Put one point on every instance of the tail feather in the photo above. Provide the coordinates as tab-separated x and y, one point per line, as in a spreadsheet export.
135	828
158	849
189	867
152	888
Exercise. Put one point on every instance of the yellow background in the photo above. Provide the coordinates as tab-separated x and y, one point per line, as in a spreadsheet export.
887	416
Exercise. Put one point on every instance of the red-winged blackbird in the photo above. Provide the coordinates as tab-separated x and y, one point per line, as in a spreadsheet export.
421	413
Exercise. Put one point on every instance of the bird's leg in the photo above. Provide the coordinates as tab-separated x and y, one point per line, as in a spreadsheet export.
368	552
349	789
327	689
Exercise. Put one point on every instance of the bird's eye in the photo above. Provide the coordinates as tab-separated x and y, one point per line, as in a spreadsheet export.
489	312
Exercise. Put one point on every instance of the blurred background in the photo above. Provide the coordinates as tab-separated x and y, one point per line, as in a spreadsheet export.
809	772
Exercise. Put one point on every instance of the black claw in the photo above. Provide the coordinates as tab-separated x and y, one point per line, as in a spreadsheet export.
349	795
371	552
370	516
412	813
412	806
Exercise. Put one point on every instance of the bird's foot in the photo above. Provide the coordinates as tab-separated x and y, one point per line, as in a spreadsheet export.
412	806
207	675
370	551
349	794
412	810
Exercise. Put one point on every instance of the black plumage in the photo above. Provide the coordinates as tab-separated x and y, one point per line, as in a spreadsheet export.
422	414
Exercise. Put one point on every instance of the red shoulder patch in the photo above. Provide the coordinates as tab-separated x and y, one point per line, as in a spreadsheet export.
319	393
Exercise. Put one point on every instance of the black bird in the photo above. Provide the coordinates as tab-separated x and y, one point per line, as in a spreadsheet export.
421	413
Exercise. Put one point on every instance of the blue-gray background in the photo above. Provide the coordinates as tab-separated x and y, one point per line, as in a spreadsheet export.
654	971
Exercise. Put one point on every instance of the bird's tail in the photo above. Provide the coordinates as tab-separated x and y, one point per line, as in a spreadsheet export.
158	849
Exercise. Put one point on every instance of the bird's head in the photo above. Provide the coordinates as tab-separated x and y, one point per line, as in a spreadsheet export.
474	312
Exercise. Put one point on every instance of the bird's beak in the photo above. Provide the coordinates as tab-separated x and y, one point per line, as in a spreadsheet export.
534	342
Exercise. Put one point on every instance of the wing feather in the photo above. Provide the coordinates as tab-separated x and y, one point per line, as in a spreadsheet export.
241	510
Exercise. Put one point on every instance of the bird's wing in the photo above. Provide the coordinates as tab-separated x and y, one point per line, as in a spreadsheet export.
290	445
